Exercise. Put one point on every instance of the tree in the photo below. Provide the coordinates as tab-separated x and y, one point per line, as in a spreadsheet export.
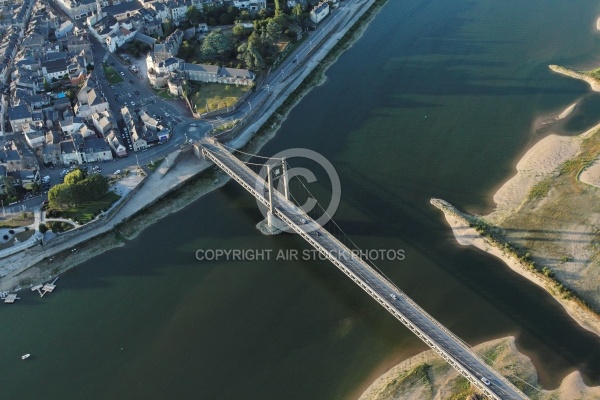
186	50
297	12
273	30
245	16
7	186
168	27
278	8
71	94
216	45
194	15
263	13
240	31
73	177
76	190
42	228
250	54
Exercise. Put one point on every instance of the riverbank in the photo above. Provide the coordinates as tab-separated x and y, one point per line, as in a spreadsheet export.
37	264
546	224
593	82
470	231
427	376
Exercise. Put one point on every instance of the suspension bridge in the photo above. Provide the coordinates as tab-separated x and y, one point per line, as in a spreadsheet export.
284	212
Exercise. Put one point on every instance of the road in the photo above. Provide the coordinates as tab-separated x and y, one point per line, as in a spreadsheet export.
173	114
434	334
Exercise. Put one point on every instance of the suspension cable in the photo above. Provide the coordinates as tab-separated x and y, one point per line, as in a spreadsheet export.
346	236
249	154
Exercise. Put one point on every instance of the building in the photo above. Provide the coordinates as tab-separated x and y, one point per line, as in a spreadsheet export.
319	12
19	116
250	5
64	29
201	72
116	144
78	150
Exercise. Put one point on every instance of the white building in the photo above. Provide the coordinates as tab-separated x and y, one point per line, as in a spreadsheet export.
250	5
319	12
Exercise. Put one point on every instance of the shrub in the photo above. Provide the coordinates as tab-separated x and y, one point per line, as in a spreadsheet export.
548	272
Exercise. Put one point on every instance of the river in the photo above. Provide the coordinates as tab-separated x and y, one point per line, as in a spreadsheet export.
436	99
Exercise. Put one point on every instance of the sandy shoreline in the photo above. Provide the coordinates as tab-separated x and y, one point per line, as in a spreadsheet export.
427	376
467	236
594	84
567	111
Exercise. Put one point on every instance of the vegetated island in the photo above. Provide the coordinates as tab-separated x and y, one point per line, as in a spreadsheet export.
428	376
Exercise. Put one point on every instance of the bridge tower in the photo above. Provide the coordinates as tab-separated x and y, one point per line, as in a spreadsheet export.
273	222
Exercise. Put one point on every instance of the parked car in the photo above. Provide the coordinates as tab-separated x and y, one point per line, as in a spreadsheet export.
117	172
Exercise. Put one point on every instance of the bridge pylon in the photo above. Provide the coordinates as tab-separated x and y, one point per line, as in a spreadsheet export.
274	224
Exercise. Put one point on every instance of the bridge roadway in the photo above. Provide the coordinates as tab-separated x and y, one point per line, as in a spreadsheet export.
434	334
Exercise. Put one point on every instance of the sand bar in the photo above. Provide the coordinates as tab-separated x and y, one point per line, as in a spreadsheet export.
467	236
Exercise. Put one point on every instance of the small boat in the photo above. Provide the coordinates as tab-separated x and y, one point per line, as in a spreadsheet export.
25	356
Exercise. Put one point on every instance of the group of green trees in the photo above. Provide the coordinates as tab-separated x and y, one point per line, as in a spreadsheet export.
8	193
77	188
213	15
136	48
255	47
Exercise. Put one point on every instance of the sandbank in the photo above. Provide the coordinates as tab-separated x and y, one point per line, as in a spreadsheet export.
467	236
567	111
427	376
540	161
594	84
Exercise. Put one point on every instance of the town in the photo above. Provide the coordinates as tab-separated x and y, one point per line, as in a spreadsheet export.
90	82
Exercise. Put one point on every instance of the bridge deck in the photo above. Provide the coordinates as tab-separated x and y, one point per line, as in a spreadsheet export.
434	334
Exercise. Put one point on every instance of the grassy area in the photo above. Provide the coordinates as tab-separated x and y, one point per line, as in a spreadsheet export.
111	75
87	211
547	229
164	93
17	221
21	236
153	166
595	73
214	96
540	189
226	126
